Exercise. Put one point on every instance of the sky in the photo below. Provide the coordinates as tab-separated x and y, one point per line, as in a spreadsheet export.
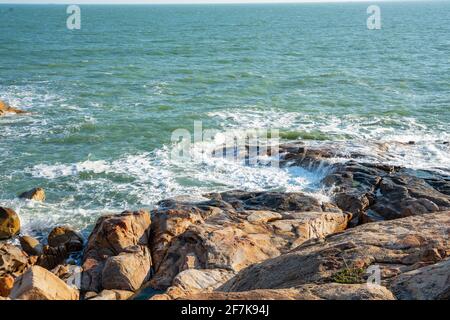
172	1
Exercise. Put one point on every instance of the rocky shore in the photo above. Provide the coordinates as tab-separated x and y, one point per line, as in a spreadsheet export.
382	220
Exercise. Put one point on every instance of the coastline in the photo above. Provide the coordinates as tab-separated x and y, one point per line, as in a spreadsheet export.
258	245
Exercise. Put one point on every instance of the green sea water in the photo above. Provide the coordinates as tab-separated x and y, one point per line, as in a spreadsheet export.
105	99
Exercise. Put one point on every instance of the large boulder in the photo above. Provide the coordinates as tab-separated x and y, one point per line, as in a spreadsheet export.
9	223
193	281
128	270
39	284
234	230
371	191
398	248
328	291
431	282
36	194
112	235
13	261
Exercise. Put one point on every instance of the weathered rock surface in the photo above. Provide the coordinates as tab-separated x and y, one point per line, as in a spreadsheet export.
128	270
113	295
397	247
194	281
5	108
36	194
13	261
39	284
234	230
66	236
31	246
371	191
52	257
9	223
112	235
427	283
329	291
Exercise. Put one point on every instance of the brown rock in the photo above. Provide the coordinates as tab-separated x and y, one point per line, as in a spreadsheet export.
9	223
112	235
329	291
430	282
70	274
31	246
65	236
36	194
39	284
6	284
5	108
217	234
347	256
52	257
128	270
113	295
13	261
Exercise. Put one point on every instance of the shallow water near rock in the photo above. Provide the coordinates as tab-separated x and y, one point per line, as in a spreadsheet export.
105	100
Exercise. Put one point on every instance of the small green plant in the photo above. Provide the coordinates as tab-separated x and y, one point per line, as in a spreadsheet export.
349	276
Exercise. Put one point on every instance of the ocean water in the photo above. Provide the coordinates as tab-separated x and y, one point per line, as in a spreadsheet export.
105	99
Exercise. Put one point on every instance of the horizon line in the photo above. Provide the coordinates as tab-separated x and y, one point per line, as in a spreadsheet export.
197	2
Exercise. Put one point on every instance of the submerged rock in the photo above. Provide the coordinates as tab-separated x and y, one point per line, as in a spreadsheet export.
5	108
112	235
9	223
39	284
399	248
36	194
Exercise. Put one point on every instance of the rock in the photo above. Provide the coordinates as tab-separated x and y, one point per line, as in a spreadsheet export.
263	216
371	191
70	274
193	281
9	223
36	194
374	192
6	284
396	247
13	261
31	246
40	284
427	283
113	295
402	195
217	234
128	270
112	235
5	108
65	236
329	291
52	257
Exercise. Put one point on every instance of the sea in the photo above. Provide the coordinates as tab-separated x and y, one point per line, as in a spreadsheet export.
105	100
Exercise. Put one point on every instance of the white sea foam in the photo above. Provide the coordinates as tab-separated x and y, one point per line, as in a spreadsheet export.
409	143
